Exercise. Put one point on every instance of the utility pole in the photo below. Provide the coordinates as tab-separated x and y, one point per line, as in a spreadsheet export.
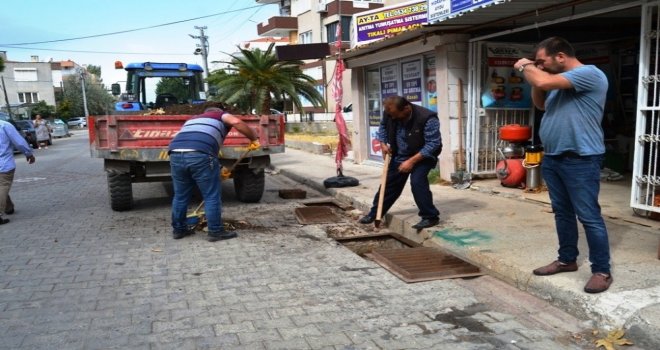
84	95
4	88
203	49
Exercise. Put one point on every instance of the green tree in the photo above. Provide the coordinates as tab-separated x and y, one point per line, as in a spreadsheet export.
99	101
174	86
2	65
256	78
43	109
96	70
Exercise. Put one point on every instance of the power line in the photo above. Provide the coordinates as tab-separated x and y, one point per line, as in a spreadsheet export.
136	29
99	52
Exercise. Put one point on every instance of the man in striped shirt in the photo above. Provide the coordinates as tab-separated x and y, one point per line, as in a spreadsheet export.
194	161
411	135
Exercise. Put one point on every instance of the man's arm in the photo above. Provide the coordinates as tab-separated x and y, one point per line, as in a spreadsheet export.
381	136
240	125
432	142
19	142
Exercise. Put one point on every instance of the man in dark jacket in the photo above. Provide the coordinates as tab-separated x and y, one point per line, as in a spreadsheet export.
411	135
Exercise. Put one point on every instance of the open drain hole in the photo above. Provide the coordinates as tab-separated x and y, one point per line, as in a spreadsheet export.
364	245
328	202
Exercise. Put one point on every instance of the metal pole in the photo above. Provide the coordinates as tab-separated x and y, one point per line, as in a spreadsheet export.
204	46
4	88
84	95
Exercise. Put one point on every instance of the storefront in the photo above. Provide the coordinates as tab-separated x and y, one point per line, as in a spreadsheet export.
475	43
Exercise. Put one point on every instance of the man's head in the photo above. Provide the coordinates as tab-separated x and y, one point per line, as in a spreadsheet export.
397	107
555	55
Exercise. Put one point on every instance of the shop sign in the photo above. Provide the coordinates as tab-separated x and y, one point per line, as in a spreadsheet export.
504	86
386	22
411	74
439	10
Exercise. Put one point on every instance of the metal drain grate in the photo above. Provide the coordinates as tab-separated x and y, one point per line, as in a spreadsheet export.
315	215
423	264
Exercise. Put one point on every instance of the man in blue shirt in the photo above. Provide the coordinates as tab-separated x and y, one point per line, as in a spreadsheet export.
411	135
573	97
10	138
194	161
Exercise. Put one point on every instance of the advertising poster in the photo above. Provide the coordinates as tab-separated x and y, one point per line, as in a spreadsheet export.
411	79
374	144
381	23
388	81
431	100
504	86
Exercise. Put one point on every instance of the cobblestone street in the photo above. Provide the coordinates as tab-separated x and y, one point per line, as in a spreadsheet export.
76	275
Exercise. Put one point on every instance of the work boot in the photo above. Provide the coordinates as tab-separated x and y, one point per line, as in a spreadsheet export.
180	234
425	223
9	211
599	282
367	219
3	221
212	237
556	267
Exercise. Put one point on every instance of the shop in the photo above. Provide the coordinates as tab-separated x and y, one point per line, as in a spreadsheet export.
474	44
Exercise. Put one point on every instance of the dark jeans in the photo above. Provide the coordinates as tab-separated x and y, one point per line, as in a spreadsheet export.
188	169
573	183
419	184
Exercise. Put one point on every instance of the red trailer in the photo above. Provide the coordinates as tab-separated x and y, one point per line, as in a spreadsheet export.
134	149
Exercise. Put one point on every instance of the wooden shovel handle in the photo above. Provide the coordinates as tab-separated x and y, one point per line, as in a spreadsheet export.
383	183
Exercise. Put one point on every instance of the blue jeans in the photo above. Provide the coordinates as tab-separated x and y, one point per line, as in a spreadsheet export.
419	184
188	169
574	182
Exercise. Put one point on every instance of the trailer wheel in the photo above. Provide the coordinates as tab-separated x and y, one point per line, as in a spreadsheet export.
121	191
249	184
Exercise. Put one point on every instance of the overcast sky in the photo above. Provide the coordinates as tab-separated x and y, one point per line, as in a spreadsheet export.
33	22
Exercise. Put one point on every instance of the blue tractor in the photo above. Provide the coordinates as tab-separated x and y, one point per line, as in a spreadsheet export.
135	96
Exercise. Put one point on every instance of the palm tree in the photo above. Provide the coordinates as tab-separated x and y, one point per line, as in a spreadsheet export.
255	78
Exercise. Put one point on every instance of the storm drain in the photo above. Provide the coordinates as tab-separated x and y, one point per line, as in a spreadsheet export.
367	244
423	264
315	215
327	202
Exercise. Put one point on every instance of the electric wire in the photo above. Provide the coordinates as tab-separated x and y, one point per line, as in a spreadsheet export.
135	29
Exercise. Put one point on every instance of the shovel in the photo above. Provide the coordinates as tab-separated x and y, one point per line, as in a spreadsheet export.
381	193
196	217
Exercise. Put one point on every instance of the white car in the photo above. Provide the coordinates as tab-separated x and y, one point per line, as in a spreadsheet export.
78	122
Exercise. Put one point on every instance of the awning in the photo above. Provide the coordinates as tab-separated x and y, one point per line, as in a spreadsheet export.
514	16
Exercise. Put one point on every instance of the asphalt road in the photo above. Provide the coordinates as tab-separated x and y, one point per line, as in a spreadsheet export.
76	275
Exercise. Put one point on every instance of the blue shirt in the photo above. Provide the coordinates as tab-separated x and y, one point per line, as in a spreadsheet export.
432	139
572	119
10	138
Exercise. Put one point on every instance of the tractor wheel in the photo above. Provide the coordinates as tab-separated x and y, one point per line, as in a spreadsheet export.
121	191
249	184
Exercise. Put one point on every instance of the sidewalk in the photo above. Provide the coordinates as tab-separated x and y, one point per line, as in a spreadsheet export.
509	235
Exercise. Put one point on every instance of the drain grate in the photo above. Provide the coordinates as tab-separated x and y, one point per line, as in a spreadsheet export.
315	215
328	202
423	264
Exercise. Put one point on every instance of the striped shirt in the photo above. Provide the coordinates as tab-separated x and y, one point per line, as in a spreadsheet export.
203	133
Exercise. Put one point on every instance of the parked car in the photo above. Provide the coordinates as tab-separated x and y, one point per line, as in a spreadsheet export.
59	128
26	128
77	122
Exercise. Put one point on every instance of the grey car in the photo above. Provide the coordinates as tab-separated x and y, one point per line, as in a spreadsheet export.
59	128
77	122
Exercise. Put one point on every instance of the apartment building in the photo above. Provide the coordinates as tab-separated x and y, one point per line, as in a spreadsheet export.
26	83
316	21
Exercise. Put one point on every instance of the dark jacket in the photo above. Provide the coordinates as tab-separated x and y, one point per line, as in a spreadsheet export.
414	130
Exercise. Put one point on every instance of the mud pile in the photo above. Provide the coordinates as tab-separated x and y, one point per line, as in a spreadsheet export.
192	109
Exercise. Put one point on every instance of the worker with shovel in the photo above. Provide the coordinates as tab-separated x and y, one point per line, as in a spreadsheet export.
410	140
194	160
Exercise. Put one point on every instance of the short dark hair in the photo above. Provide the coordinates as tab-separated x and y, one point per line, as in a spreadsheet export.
555	45
399	102
213	109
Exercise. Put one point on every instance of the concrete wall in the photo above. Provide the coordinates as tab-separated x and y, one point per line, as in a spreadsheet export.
316	127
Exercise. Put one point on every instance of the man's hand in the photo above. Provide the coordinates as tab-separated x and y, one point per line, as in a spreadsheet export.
225	173
522	61
407	166
385	149
254	145
30	159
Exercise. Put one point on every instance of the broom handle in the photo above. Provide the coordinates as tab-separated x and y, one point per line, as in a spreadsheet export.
383	182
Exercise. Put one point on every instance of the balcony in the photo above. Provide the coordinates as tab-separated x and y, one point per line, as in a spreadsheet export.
348	7
278	26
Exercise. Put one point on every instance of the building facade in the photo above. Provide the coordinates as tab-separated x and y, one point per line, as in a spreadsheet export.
26	83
